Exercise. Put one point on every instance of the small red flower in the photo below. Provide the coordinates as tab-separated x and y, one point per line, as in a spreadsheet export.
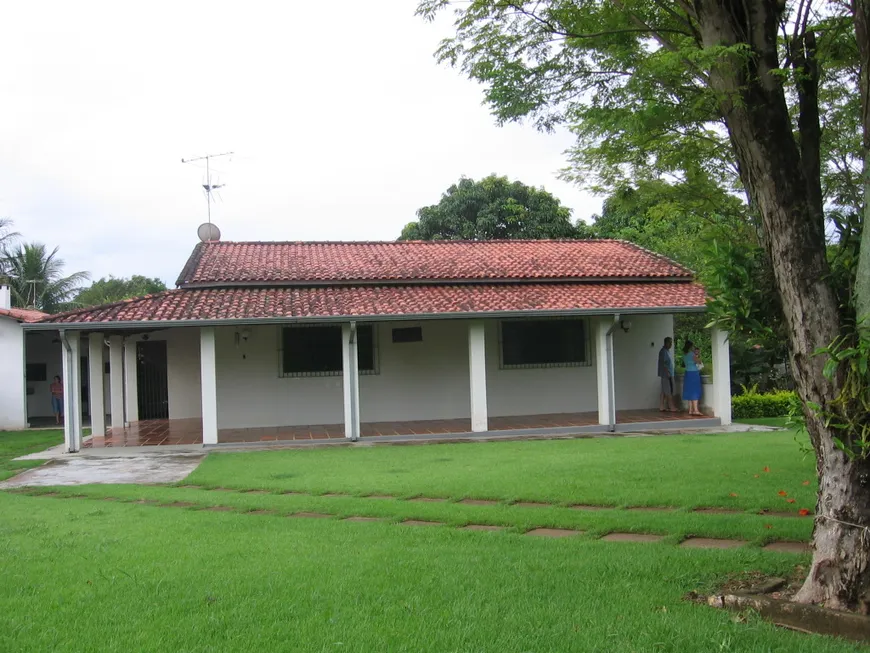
768	525
805	483
767	469
732	494
789	500
782	493
803	512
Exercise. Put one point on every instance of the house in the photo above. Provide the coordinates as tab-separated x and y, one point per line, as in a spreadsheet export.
266	340
14	398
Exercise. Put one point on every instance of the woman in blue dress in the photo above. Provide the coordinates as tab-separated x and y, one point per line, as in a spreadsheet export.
692	379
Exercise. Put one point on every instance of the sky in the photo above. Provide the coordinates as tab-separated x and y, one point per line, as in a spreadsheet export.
341	121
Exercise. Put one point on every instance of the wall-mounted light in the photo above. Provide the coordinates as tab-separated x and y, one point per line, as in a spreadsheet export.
625	325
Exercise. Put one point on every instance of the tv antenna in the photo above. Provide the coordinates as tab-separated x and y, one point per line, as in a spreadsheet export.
208	186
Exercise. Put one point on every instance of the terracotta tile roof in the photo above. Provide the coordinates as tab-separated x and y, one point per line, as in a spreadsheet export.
23	314
319	302
223	263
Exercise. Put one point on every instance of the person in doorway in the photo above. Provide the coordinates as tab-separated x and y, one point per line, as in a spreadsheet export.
56	389
666	377
692	380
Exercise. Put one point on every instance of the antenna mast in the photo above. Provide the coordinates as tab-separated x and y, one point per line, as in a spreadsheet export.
208	186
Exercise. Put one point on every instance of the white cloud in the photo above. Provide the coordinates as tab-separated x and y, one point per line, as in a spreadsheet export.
342	122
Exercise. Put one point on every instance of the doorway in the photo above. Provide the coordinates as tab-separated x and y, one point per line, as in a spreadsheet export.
152	379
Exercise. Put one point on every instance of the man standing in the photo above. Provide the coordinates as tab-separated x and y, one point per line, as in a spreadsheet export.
666	375
56	389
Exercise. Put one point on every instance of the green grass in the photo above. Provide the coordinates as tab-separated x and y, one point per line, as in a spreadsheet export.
82	575
20	443
676	526
682	471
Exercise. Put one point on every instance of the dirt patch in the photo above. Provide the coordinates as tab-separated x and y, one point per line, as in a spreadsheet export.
379	496
651	509
717	511
335	495
312	515
256	492
531	504
260	512
482	527
178	504
632	537
710	543
583	506
427	500
553	532
479	502
219	509
418	522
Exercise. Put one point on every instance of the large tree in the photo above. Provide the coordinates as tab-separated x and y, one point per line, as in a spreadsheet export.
492	208
113	289
726	89
37	278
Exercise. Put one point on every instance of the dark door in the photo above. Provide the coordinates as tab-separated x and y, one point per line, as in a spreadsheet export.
153	383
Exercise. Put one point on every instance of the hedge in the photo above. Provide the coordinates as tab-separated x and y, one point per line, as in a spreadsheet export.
753	405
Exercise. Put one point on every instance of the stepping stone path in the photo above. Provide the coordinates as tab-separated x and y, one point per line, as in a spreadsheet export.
219	509
632	537
482	527
552	532
650	509
418	522
312	515
427	500
788	547
585	507
363	519
710	543
334	495
717	511
479	502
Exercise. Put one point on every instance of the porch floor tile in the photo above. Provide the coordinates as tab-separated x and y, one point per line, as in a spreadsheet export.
189	431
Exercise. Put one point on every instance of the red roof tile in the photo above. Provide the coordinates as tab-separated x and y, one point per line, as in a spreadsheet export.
223	263
23	314
391	301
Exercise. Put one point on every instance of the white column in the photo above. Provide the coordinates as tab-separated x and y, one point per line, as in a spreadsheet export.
604	371
131	381
116	381
350	381
72	391
721	400
208	380
95	384
477	375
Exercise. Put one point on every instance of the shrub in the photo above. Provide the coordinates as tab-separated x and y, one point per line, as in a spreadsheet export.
752	404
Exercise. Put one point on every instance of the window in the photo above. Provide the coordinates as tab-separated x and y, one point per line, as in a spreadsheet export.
543	343
316	350
35	372
408	334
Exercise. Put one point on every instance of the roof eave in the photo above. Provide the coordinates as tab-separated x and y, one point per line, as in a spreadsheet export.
408	317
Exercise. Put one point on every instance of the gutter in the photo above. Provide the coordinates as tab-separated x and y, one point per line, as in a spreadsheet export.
70	416
339	319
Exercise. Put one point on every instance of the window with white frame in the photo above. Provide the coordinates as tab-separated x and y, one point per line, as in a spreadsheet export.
315	350
556	342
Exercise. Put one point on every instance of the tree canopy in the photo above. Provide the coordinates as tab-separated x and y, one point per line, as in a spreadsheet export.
112	289
37	278
764	96
492	208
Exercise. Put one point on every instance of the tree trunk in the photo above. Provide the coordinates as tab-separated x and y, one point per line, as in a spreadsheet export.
753	104
861	11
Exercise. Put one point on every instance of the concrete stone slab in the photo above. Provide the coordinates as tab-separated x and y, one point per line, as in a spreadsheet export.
632	537
479	502
143	470
552	532
531	504
419	522
788	547
482	527
582	506
311	515
710	543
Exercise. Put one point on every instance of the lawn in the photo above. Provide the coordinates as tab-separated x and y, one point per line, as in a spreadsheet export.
20	443
745	471
84	573
81	575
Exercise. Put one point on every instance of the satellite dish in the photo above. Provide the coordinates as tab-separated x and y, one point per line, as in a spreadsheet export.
208	232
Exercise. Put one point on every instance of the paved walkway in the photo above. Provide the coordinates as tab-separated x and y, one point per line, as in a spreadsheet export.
143	469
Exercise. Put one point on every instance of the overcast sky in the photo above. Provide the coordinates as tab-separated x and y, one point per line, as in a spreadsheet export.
342	122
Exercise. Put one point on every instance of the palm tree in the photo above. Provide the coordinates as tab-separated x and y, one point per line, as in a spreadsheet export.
7	236
37	279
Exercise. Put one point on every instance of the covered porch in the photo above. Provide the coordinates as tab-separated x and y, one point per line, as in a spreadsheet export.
189	431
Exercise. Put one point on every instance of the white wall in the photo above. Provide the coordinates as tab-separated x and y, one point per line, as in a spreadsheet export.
416	381
12	404
635	357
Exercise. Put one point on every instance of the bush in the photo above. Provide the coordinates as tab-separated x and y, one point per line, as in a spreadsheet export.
752	404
